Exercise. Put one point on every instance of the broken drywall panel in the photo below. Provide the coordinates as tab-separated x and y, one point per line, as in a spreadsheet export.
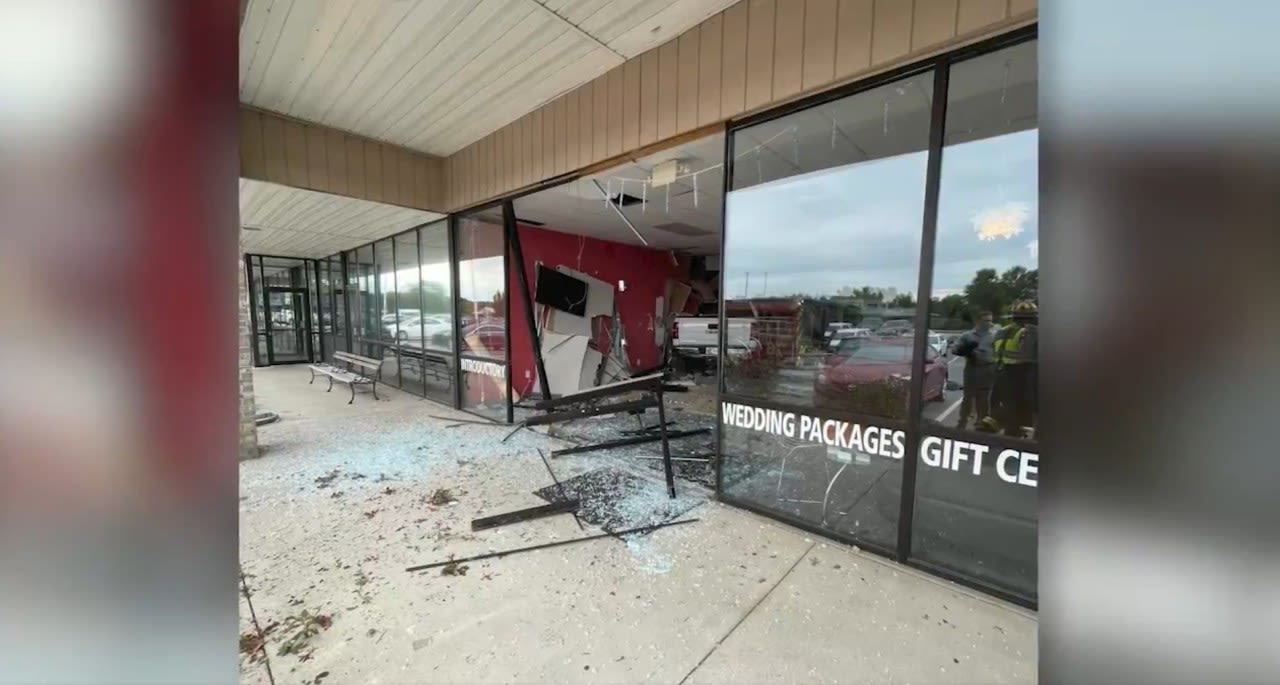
563	358
565	323
614	371
678	296
591	362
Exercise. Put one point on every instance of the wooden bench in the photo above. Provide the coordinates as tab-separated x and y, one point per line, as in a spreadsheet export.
354	370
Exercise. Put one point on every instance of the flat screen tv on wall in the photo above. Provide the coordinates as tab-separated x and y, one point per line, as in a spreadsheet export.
561	291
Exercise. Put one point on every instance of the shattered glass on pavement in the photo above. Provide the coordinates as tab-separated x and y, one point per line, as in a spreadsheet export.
616	500
617	426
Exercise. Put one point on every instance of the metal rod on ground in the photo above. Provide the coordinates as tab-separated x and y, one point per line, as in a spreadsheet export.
667	467
518	550
627	442
262	637
559	488
586	411
634	384
519	426
468	421
527	514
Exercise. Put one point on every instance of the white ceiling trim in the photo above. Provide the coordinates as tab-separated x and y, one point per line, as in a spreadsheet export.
437	75
292	222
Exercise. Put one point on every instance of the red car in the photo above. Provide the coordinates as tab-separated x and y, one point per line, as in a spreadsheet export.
859	361
491	334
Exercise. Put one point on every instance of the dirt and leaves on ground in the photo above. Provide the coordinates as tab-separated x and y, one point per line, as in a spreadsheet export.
454	569
297	630
441	497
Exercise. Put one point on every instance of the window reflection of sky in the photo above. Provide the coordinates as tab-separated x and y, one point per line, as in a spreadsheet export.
859	225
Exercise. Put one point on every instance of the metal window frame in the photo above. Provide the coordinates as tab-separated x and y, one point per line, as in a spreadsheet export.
915	426
455	221
255	282
253	309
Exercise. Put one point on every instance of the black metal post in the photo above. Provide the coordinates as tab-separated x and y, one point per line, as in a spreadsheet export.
666	445
928	241
346	299
253	310
508	216
720	323
517	252
455	285
319	307
266	315
395	288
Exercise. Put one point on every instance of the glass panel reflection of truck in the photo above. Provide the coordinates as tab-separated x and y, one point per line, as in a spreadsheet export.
698	338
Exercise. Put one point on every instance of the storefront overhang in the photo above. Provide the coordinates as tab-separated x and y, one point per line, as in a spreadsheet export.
435	76
284	151
293	222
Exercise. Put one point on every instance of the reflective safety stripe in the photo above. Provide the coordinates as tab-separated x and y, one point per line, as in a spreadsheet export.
1007	348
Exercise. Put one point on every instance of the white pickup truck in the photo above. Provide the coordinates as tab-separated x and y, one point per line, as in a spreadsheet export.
698	337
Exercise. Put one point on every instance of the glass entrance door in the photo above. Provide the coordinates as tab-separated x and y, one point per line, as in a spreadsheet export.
288	326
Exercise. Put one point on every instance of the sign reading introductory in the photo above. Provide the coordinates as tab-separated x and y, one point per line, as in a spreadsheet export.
1011	465
489	369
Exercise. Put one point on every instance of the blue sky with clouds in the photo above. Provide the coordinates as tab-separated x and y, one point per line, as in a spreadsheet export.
860	224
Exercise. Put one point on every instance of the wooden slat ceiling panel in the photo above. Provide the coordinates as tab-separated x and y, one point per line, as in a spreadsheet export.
291	222
437	75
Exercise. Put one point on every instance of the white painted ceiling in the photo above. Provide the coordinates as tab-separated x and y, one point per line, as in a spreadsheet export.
579	207
291	222
437	75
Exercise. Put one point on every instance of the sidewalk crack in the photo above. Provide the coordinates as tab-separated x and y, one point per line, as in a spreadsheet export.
749	612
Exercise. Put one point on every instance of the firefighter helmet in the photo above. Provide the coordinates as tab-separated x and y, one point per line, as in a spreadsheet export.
1024	310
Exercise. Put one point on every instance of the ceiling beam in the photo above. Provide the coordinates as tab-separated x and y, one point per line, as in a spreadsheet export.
285	151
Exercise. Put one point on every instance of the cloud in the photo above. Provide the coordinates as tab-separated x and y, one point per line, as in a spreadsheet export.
1004	221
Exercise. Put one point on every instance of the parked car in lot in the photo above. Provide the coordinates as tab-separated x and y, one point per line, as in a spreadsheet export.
835	327
937	342
845	334
414	330
487	338
863	361
895	327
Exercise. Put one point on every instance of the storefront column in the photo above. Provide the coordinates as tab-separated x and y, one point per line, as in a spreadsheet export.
248	438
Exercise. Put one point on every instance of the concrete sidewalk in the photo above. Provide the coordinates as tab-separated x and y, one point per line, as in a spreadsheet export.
342	502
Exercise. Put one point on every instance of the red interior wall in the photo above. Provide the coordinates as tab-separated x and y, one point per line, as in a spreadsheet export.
645	271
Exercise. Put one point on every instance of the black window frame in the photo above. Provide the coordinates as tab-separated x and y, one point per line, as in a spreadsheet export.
914	425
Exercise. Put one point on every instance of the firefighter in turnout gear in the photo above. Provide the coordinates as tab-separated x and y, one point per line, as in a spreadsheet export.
1014	398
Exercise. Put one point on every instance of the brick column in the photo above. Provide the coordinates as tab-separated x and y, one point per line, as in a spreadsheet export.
248	413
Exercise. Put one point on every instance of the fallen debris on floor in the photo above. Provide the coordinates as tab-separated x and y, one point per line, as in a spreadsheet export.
454	569
441	497
494	555
529	514
616	500
625	442
610	399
